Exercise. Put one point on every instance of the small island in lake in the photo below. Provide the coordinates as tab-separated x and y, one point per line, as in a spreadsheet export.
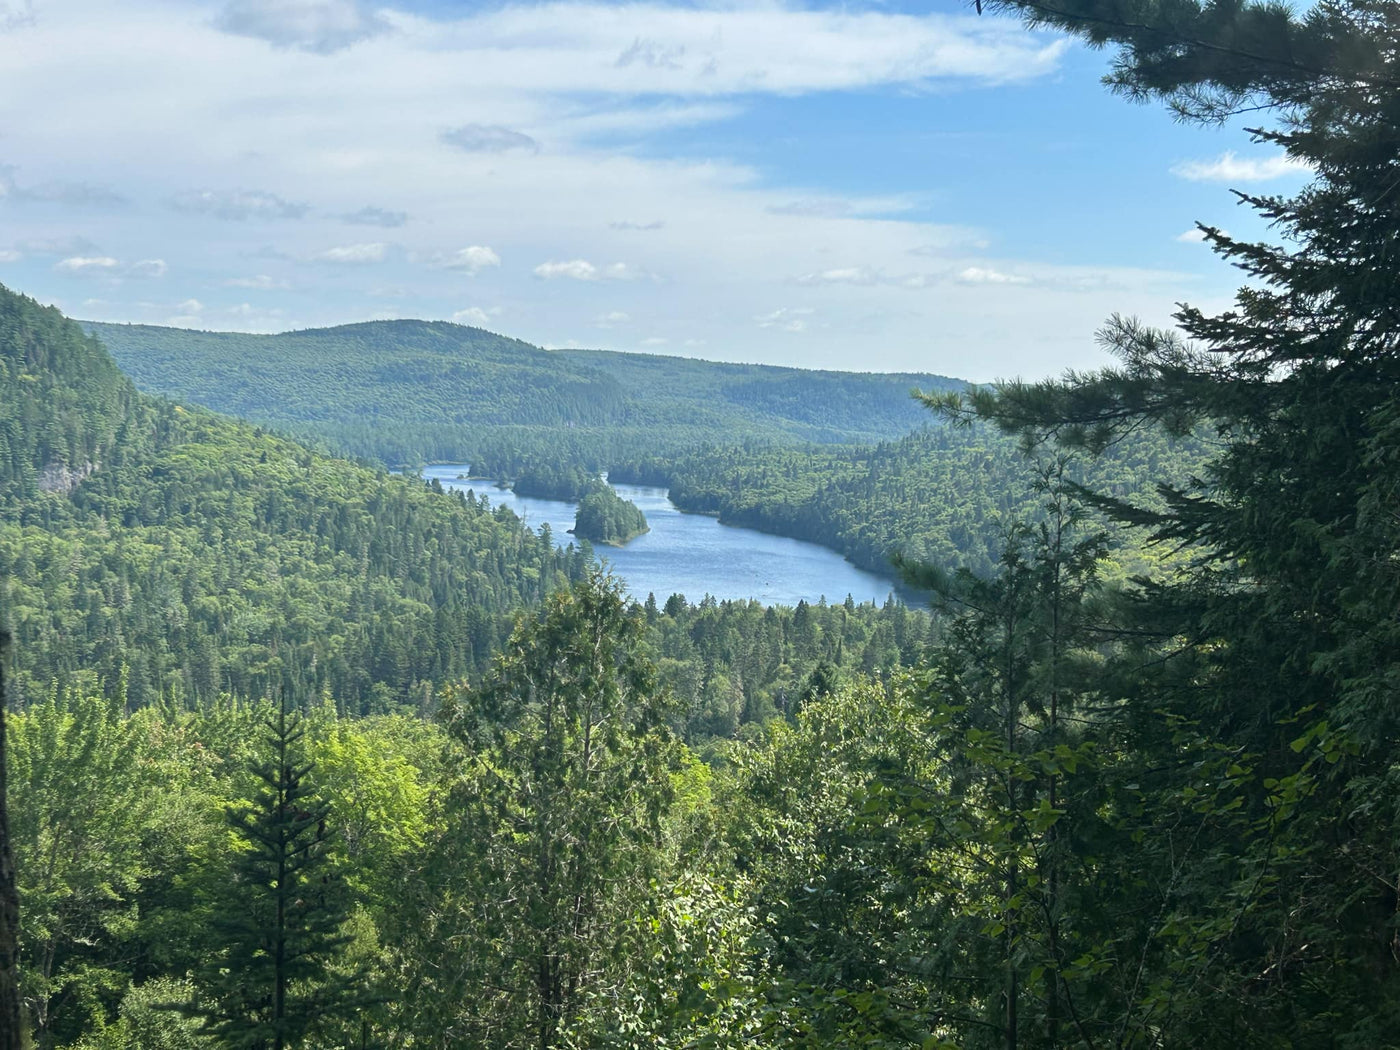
605	517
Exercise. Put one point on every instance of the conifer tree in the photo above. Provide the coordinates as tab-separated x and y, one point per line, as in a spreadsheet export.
1280	642
280	923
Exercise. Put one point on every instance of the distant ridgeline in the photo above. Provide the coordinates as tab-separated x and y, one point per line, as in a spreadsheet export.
413	392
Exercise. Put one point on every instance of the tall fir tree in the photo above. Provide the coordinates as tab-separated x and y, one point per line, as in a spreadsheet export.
281	921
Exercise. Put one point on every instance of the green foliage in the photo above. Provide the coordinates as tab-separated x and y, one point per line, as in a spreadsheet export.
133	878
279	918
1278	644
551	481
436	392
553	827
204	556
735	664
66	409
605	517
942	496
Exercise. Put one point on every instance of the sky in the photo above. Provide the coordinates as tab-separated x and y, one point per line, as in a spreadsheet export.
867	186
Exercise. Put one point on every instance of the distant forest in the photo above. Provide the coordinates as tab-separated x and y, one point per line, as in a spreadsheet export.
415	392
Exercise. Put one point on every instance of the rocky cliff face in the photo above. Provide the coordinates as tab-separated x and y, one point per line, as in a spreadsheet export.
63	479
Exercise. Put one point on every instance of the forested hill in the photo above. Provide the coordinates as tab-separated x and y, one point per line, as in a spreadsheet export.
420	391
186	554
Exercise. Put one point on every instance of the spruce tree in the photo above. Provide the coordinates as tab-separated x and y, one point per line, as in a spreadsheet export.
280	924
1279	645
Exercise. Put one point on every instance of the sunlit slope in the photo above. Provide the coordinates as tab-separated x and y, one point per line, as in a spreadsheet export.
185	554
407	391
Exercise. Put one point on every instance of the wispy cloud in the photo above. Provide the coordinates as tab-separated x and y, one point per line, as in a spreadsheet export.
475	315
260	282
988	275
583	270
73	194
470	260
238	205
108	267
354	253
15	14
370	216
488	138
1231	168
319	26
842	275
785	319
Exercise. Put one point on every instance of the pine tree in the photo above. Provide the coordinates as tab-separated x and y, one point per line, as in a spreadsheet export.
280	924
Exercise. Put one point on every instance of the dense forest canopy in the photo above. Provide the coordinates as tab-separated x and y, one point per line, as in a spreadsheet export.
1069	809
942	496
605	517
410	392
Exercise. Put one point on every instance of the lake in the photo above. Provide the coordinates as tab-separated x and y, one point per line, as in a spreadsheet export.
693	554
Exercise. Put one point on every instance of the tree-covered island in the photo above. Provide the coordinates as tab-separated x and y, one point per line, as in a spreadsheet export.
605	517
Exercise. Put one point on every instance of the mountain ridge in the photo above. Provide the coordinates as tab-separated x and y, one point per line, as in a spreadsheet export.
433	391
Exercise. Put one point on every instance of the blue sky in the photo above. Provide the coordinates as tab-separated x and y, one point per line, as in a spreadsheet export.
863	186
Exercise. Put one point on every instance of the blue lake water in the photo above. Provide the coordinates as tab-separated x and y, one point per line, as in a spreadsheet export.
693	554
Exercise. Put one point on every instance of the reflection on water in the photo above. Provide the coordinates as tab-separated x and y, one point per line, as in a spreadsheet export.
694	554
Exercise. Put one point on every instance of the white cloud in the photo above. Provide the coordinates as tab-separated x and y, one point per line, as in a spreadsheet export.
9	255
108	267
261	282
190	306
1192	236
987	275
574	269
149	97
238	205
88	265
612	318
1229	168
475	315
471	260
845	275
583	270
354	253
320	26
655	340
653	48
785	319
